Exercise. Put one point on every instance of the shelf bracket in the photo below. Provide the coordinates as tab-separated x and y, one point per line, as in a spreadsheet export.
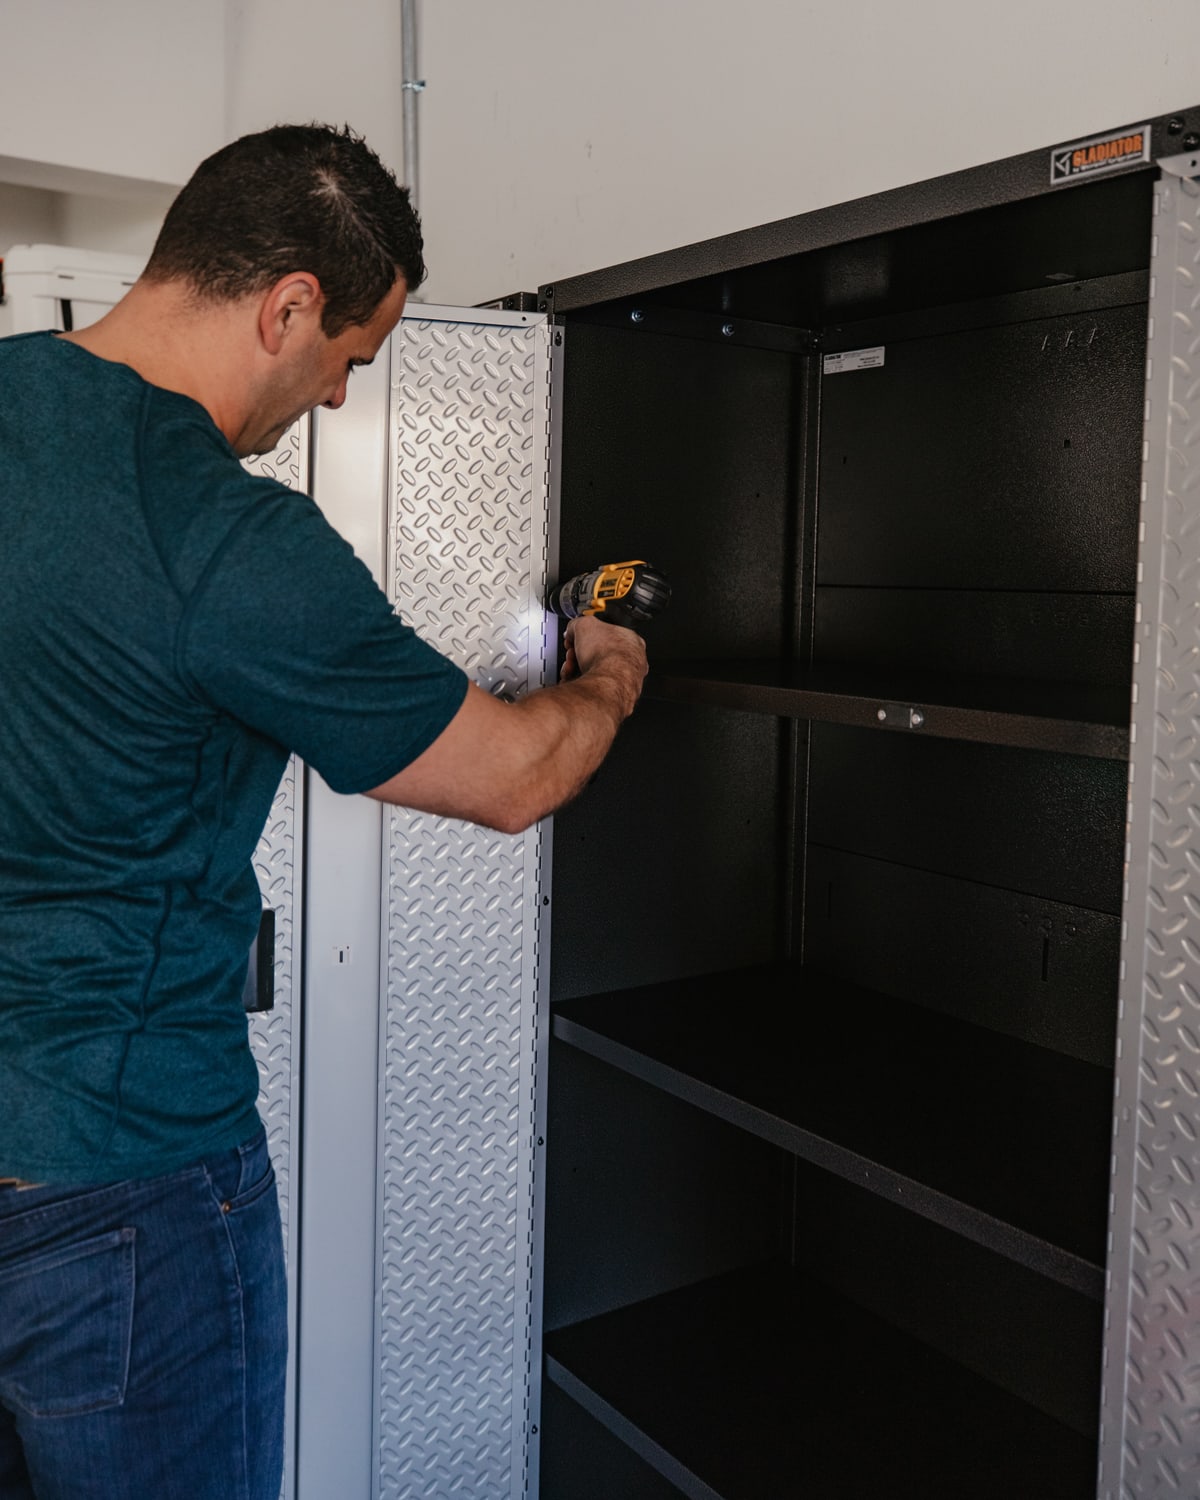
900	716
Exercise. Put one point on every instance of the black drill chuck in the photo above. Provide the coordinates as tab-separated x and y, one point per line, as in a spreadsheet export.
628	593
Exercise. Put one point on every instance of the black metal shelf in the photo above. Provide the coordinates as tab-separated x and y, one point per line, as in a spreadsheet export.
1071	718
761	1384
1003	1142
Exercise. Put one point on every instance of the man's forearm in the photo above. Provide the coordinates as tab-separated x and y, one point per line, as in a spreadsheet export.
505	765
571	729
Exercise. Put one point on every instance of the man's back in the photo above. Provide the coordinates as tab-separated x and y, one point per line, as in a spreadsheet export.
169	627
127	802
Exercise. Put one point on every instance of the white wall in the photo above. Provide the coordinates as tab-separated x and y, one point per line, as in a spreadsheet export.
105	108
293	61
132	88
28	216
562	135
122	226
108	105
142	90
558	136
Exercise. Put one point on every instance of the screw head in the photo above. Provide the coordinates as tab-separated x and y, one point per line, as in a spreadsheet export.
1191	141
881	715
637	315
727	330
916	718
1174	126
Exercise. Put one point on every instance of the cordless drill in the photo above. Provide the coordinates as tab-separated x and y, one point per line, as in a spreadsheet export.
627	593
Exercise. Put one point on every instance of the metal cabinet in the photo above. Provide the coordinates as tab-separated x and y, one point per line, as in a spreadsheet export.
812	1107
879	903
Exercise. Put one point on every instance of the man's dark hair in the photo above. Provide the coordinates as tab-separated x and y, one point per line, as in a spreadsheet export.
293	198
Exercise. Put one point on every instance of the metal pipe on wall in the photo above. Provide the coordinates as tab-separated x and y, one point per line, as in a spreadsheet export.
412	87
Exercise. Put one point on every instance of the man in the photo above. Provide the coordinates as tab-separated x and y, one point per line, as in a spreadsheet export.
170	629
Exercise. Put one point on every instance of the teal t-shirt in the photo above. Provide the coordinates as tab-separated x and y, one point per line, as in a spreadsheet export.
170	628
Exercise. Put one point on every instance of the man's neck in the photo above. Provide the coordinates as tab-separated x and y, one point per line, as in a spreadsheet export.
172	340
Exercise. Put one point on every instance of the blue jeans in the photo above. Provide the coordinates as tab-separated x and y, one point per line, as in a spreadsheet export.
143	1336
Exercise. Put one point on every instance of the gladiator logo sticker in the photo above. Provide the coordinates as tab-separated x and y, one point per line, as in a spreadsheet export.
1099	154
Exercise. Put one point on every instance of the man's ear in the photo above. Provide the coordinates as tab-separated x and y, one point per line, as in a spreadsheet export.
295	301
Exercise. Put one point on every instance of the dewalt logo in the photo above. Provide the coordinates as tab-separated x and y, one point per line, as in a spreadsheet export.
1100	154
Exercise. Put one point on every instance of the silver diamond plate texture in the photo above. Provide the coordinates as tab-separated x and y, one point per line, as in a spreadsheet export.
1150	1437
274	1036
467	570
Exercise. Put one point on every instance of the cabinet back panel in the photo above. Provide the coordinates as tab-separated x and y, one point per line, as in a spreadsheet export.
1026	820
645	1193
1031	968
681	452
671	862
1049	637
1000	458
1017	1329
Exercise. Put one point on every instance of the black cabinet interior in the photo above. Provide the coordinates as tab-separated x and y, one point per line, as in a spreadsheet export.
835	948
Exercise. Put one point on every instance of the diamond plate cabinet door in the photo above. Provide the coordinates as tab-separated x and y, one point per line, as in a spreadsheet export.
467	568
274	1035
1150	1438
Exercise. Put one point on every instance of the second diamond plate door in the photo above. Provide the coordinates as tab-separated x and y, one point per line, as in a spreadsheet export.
457	1396
1150	1431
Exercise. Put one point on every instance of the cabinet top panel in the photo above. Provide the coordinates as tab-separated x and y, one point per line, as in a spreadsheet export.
1069	212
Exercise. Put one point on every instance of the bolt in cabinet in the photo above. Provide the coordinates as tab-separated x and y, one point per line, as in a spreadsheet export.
874	1077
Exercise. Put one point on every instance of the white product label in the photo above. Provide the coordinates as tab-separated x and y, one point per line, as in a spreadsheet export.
853	359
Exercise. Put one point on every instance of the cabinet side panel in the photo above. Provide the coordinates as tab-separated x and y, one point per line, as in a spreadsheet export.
1151	1402
457	1387
275	1034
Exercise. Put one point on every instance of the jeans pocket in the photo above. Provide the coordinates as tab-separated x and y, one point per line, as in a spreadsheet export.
241	1177
66	1318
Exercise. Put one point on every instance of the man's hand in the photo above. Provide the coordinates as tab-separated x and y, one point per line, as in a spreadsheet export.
590	642
506	765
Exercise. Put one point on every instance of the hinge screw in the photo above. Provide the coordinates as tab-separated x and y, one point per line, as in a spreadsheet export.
1174	126
637	315
1191	141
916	718
727	330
